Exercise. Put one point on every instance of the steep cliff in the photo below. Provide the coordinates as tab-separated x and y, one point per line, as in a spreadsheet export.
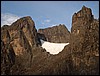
22	35
20	38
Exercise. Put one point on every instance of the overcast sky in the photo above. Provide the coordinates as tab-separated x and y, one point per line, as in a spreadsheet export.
45	13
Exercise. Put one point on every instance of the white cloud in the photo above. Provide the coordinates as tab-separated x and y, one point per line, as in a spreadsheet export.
8	19
54	25
47	21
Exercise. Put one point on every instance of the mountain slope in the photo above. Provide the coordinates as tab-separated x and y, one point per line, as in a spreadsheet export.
56	34
85	42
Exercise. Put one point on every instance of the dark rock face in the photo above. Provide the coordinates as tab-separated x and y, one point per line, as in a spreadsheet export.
85	42
57	34
41	36
7	58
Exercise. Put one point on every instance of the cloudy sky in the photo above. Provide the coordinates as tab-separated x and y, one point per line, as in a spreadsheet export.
45	13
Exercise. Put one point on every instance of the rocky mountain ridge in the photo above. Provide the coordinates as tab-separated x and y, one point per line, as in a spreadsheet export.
56	34
22	54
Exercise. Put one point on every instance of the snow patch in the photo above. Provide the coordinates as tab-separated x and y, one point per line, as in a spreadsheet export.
53	48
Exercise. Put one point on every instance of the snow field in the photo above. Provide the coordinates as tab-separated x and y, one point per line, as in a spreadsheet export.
53	48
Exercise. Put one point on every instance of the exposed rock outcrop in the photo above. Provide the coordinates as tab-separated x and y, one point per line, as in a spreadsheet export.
41	36
20	38
57	34
22	35
85	42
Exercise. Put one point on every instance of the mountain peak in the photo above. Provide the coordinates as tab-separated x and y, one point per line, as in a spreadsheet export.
22	33
86	10
84	7
23	22
57	34
85	14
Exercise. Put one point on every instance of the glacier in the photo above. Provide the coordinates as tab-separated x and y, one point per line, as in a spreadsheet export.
53	48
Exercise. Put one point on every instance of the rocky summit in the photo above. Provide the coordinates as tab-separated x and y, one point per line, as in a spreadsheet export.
22	54
22	35
85	42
